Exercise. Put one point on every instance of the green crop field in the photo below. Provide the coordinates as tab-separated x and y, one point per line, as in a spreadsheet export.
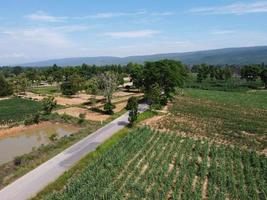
250	98
154	165
16	109
224	117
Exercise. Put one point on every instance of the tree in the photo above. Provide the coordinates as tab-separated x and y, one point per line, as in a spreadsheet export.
49	104
5	87
263	76
72	85
20	83
132	105
137	74
154	96
250	73
92	86
108	84
166	74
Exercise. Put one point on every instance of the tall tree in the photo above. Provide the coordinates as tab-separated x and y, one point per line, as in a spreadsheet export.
137	74
109	83
263	76
168	74
5	87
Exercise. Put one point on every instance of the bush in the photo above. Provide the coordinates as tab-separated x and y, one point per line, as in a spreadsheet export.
67	88
49	104
17	160
53	137
81	118
34	119
5	88
132	103
108	108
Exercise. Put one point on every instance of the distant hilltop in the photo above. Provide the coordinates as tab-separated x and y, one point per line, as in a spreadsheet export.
238	56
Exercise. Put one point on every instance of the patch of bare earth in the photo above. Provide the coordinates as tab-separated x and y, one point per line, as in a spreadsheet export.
70	101
89	115
33	96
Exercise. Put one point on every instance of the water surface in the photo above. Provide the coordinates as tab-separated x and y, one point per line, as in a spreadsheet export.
24	141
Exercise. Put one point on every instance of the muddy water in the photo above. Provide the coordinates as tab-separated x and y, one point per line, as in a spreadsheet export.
24	140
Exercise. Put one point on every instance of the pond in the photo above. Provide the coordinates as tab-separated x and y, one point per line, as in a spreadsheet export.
23	140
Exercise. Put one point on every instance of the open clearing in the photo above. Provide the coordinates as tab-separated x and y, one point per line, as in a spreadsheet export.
155	165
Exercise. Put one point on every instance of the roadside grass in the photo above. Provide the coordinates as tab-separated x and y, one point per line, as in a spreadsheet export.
250	98
45	90
9	172
146	115
82	164
16	109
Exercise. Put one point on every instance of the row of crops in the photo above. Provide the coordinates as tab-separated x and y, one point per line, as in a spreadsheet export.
153	165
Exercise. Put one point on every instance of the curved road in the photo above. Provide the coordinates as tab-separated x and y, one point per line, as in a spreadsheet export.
33	182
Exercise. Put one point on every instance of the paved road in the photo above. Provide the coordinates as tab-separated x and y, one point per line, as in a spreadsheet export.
33	182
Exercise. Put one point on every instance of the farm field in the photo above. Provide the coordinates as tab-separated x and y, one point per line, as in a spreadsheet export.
155	165
223	117
16	109
251	98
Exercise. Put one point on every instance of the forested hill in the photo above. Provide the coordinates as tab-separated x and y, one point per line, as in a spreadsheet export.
240	56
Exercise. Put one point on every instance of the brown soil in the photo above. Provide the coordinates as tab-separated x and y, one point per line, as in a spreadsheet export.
30	95
89	115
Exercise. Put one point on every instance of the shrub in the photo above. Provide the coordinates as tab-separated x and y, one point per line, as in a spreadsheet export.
108	108
33	119
132	103
81	118
49	104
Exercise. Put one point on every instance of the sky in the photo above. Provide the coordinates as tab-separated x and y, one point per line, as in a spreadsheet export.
35	30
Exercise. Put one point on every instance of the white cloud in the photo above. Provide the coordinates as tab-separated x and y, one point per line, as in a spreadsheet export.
12	55
44	17
132	34
106	15
71	28
236	8
222	32
163	13
39	36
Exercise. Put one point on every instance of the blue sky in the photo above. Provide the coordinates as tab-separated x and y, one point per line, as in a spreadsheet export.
32	30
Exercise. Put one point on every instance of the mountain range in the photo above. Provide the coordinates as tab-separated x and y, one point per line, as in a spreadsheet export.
238	56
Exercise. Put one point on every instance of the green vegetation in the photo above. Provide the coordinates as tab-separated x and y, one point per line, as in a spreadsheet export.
224	117
132	106
154	165
250	98
5	87
17	109
45	90
48	103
